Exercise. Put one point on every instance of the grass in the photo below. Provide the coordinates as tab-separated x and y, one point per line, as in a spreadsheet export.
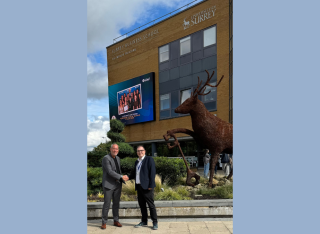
225	191
168	195
158	187
182	191
125	197
129	188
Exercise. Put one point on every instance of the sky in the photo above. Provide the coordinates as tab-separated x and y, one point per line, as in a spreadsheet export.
107	20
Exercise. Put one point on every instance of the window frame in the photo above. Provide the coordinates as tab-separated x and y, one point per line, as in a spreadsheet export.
169	108
214	26
190	49
180	96
168	51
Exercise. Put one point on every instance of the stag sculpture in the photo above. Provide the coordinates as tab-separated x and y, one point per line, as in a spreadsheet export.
209	131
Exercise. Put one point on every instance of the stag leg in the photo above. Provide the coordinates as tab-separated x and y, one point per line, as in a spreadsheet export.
190	174
214	161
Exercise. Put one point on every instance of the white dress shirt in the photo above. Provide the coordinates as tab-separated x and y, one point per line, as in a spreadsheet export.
138	168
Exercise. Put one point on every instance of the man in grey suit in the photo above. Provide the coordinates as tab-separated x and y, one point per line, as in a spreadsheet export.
112	185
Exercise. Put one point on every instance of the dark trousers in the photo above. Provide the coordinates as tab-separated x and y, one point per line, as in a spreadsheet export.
145	196
113	194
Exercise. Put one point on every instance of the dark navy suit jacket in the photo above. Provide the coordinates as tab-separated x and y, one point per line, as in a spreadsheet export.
147	173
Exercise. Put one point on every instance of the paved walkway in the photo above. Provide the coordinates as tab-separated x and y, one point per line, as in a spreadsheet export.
167	226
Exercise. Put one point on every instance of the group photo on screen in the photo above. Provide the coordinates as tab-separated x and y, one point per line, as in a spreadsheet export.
129	99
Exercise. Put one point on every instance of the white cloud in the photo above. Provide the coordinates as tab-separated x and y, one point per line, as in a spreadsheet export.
97	76
97	128
106	18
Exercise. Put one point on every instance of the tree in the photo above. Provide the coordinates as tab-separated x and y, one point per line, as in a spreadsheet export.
116	127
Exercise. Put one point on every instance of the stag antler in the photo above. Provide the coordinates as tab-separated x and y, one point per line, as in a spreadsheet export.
200	91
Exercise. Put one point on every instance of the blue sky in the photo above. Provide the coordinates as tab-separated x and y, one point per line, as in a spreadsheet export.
107	20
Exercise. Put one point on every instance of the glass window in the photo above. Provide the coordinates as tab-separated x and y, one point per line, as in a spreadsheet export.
209	36
164	53
185	46
164	101
185	94
212	95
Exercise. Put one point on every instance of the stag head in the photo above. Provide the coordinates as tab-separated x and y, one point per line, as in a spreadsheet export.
189	104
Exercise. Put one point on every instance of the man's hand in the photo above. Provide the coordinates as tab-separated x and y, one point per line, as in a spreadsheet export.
149	188
125	177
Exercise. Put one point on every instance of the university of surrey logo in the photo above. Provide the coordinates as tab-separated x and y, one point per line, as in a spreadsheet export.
186	24
199	17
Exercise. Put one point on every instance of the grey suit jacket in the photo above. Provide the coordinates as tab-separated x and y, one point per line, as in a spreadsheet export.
110	177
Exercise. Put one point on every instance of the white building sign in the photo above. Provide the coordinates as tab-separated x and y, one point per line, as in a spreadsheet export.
199	17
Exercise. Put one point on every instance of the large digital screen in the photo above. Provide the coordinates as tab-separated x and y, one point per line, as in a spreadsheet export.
132	101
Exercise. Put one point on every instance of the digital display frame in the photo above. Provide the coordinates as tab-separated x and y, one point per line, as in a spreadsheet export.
133	101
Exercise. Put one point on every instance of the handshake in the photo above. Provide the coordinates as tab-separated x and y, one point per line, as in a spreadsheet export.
125	178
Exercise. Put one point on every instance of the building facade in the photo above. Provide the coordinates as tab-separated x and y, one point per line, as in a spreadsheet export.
178	50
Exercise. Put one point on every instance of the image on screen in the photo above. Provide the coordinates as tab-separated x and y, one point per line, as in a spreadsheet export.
129	99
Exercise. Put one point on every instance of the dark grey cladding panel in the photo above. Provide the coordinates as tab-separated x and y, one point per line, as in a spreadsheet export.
169	86
174	73
174	49
197	55
197	66
186	82
164	114
209	51
202	75
209	63
185	59
185	70
174	63
173	114
211	105
163	76
164	66
197	41
175	99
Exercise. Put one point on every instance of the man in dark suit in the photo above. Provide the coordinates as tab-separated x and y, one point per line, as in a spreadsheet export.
144	173
112	185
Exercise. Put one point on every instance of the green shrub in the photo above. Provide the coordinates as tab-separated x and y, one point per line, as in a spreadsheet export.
170	169
182	191
127	165
225	191
94	180
117	137
116	125
94	158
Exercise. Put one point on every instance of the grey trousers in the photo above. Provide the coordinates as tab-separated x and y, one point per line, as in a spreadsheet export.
226	168
115	195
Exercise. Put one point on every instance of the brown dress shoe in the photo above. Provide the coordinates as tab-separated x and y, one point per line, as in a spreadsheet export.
103	226
117	224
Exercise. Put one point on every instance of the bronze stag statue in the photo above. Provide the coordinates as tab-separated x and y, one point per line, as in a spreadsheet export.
209	131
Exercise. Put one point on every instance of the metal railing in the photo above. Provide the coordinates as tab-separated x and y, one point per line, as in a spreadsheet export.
136	30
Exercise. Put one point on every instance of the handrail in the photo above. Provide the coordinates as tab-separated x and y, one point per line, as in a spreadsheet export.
127	34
